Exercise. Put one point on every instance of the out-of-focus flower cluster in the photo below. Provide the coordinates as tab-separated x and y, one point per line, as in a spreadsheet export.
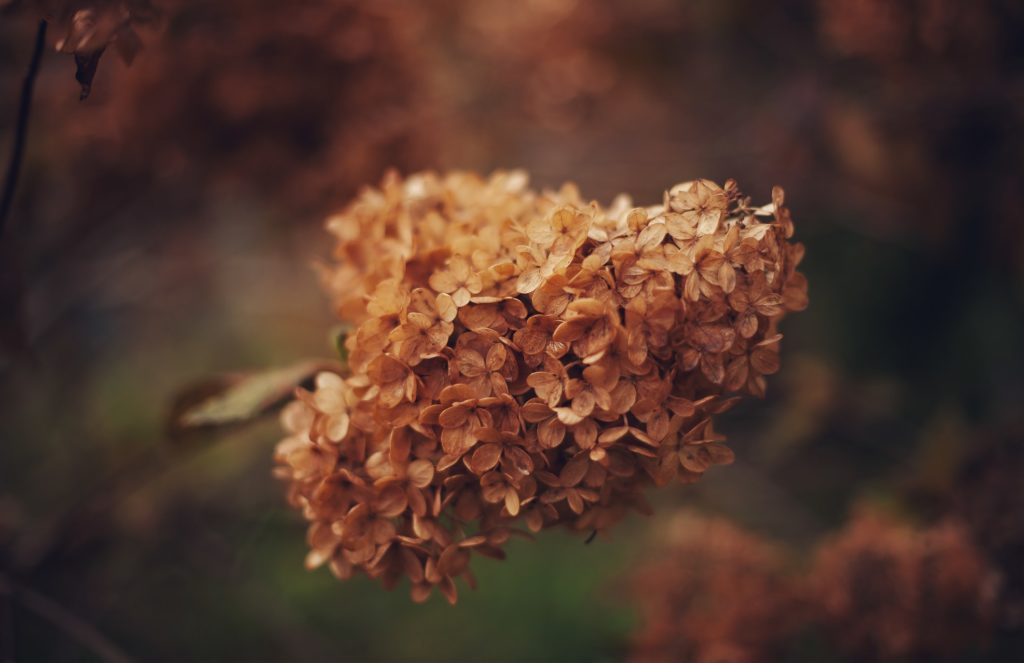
215	97
887	32
986	494
523	355
720	594
557	61
878	590
888	591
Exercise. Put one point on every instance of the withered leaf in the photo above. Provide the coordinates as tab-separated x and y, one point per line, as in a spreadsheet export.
241	397
85	70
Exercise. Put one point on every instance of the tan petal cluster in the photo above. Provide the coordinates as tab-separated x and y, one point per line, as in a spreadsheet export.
522	356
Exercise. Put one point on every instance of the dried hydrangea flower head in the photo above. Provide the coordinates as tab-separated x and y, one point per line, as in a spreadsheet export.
713	592
887	591
522	356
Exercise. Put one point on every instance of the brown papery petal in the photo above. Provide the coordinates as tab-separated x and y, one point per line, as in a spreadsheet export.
550	433
485	458
446	308
456	415
574	470
447	587
421	473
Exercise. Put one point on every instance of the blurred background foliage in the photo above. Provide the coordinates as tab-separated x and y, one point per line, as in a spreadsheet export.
164	229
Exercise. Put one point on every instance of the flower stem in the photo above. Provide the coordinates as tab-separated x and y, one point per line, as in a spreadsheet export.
21	127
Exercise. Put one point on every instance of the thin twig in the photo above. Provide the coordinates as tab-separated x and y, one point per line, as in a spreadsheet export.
7	626
74	626
21	126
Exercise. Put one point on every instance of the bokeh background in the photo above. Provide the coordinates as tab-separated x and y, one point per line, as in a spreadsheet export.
164	231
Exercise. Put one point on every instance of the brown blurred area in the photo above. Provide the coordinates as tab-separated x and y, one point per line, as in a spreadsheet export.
164	229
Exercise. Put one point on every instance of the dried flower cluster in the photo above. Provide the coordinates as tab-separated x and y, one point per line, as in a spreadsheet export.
527	355
887	591
720	594
879	590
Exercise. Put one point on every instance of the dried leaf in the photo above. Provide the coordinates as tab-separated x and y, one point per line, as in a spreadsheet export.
242	397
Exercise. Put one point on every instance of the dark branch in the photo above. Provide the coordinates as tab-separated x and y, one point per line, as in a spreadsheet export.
21	127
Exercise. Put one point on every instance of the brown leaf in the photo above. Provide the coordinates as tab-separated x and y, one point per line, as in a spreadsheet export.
85	70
